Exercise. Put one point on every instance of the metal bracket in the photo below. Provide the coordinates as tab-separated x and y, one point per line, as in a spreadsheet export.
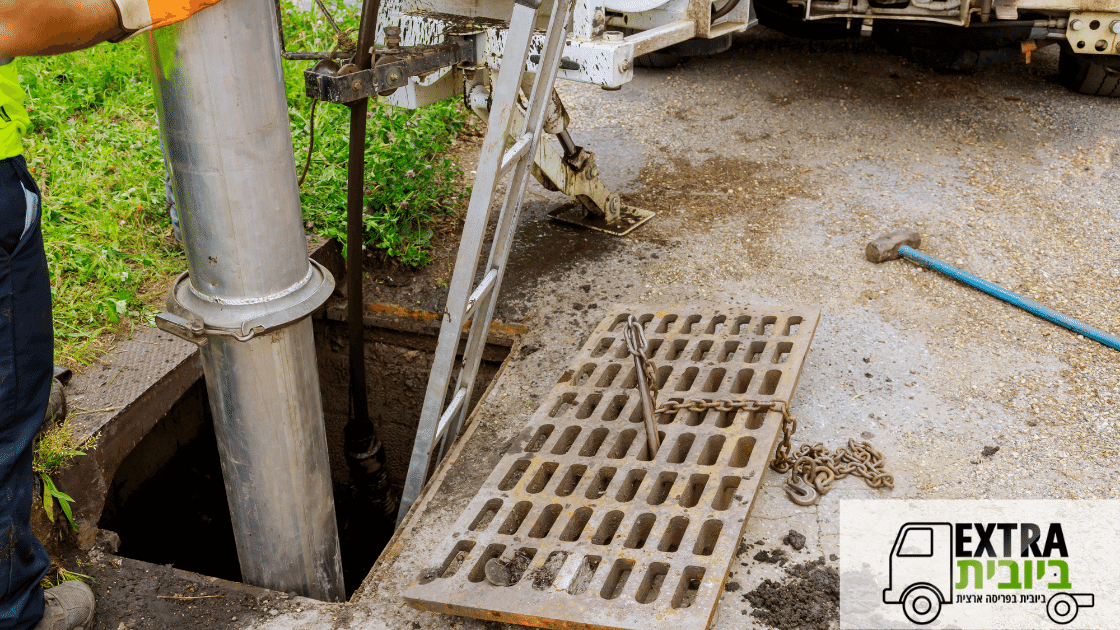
1094	33
192	317
323	81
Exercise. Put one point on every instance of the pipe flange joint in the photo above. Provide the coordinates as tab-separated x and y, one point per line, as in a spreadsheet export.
194	316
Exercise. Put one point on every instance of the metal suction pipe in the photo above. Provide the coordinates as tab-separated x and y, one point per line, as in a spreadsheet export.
250	288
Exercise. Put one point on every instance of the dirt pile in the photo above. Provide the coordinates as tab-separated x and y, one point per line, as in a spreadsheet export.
809	600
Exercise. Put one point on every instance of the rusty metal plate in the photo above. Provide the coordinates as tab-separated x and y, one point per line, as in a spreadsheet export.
629	218
589	530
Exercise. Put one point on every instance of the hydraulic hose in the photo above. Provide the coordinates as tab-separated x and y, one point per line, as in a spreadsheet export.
725	9
1027	304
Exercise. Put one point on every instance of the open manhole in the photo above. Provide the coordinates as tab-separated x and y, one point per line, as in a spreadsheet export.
167	499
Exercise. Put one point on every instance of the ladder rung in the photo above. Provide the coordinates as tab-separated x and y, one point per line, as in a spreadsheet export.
516	152
452	409
477	296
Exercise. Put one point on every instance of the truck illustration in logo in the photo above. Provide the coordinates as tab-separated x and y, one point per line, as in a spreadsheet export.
922	577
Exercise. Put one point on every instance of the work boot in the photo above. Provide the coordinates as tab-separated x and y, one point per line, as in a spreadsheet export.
68	606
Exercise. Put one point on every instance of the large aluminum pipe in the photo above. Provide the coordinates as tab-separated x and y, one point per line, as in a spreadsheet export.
250	288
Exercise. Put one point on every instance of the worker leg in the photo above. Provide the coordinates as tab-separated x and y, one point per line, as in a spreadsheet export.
26	362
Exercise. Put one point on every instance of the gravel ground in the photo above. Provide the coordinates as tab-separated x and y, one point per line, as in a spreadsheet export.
770	167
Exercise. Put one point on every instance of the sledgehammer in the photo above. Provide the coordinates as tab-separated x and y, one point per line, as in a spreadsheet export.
902	244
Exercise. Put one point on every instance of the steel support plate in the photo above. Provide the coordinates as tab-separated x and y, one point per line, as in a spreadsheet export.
592	532
629	218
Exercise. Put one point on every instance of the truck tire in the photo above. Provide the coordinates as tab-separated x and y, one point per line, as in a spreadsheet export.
921	605
1082	75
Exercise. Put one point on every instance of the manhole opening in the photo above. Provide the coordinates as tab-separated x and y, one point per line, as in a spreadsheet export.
167	501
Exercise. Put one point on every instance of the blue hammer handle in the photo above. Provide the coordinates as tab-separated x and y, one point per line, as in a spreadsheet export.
1027	304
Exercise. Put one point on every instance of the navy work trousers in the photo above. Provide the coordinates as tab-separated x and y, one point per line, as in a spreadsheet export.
26	366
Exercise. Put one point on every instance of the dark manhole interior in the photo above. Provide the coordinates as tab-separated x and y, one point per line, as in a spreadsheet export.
167	501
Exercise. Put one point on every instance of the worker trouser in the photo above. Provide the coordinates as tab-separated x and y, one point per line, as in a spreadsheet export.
26	366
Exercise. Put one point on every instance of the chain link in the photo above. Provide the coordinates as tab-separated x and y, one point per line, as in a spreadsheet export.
638	346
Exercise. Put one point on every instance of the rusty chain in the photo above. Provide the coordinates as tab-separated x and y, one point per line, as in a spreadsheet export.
812	469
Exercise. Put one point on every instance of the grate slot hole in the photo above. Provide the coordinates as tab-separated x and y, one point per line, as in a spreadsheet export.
661	488
770	383
685	382
567	438
651	585
674	534
715	379
724	419
542	435
742	453
571	480
583	374
663	327
584	575
737	327
702	350
611	413
709	535
565	377
602	480
545	575
631	380
545	521
609	375
574	529
514	475
675	349
710	455
588	406
477	574
622	444
716	325
781	352
644	455
726	492
693	418
652	346
688	588
754	351
616	579
686	327
594	442
663	373
693	491
644	320
566	402
519	566
486	515
630	485
456	558
544	474
639	533
729	348
766	325
742	381
605	534
755	419
604	344
516	518
793	324
681	448
620	322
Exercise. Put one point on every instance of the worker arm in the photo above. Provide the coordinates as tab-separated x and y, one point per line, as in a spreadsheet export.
50	27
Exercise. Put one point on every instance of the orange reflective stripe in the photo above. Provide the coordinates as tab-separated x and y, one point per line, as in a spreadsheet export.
165	12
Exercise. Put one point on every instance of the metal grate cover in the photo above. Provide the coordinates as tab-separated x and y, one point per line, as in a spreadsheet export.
592	532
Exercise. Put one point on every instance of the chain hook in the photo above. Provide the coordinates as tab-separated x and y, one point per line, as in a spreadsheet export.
800	492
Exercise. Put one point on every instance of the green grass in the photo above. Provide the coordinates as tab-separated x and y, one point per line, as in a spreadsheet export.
94	150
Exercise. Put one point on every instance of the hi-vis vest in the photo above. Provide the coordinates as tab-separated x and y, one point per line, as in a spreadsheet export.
13	117
141	15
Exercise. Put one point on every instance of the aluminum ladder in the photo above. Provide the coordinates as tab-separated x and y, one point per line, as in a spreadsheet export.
465	300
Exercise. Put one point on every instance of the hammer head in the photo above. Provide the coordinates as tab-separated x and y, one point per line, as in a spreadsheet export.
886	248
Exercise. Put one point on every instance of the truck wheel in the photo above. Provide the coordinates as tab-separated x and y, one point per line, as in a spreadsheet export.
921	605
1082	75
1061	608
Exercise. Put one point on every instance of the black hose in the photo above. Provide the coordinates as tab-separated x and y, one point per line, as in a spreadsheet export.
725	9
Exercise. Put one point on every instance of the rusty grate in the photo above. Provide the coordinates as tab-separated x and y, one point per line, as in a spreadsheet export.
593	532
